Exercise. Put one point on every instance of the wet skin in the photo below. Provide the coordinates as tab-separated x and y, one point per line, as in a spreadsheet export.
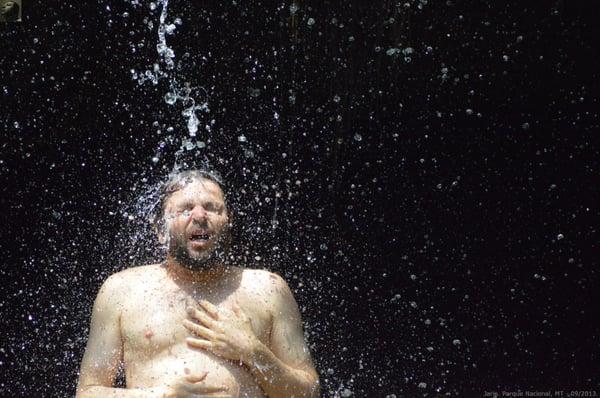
183	332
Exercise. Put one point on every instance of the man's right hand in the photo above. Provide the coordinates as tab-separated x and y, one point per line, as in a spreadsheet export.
193	386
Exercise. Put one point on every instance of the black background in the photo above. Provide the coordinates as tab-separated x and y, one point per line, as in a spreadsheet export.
438	229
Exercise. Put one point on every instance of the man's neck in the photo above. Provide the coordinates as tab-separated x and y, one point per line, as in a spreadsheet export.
213	274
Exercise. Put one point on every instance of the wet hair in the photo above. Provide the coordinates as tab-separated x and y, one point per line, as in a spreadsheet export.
178	181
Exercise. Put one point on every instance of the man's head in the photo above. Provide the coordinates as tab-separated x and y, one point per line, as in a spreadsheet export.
193	219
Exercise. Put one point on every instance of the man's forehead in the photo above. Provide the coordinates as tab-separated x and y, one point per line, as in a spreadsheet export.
196	188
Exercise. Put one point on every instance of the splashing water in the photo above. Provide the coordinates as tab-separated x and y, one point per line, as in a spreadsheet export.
165	69
145	196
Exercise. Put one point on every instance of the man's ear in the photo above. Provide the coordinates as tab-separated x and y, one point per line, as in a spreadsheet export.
161	233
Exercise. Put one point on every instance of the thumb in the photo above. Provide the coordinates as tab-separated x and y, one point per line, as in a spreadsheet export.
197	378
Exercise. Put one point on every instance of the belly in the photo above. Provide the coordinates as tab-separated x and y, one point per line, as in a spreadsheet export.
180	361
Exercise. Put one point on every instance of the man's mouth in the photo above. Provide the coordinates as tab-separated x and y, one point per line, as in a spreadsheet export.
199	237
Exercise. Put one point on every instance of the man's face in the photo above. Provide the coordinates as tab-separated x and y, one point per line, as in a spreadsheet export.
197	224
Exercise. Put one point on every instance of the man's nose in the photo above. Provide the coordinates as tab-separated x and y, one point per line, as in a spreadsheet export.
199	213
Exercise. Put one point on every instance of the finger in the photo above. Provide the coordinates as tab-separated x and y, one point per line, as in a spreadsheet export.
203	388
236	309
196	378
199	343
198	329
210	396
210	308
201	316
190	302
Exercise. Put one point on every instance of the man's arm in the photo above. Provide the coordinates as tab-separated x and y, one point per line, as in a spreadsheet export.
285	369
104	348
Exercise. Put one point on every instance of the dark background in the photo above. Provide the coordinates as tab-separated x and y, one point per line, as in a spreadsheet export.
434	212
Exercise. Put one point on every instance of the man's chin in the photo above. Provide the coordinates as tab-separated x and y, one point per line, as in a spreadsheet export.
200	256
201	259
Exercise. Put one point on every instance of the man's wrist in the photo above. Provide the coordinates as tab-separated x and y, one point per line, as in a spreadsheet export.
254	352
261	360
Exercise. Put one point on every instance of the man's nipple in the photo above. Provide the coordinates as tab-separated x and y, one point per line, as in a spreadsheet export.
148	334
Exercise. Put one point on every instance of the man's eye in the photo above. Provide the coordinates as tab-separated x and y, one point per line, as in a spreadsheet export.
184	212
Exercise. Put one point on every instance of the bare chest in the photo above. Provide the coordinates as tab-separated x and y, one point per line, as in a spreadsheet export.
152	323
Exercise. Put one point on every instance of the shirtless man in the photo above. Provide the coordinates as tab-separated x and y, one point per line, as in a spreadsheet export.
195	326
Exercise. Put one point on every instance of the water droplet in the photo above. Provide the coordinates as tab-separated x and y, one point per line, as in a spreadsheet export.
169	29
192	124
242	138
560	237
311	21
170	98
357	137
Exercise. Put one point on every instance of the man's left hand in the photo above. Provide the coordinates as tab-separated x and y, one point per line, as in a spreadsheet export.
226	333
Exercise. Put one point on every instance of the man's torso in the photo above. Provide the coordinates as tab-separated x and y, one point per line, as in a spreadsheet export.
155	351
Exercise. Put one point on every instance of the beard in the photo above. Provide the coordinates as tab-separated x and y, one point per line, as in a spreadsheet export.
203	260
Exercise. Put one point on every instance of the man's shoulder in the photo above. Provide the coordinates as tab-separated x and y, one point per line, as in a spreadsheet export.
131	277
137	271
122	287
263	281
262	276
